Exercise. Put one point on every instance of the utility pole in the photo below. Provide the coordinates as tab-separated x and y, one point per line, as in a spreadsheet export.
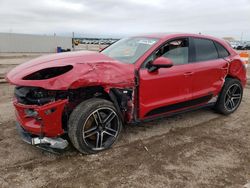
73	41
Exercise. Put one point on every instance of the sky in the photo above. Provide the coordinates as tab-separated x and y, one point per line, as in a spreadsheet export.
119	18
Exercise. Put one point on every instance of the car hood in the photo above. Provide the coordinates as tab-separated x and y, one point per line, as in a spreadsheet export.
89	69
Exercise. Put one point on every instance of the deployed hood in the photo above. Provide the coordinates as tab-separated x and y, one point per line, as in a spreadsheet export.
73	70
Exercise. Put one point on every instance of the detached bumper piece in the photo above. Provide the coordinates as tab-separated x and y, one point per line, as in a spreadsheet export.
54	145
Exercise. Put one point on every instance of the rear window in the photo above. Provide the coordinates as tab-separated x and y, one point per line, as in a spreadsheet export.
221	50
205	50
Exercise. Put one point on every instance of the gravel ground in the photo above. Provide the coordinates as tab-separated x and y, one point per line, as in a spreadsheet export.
195	149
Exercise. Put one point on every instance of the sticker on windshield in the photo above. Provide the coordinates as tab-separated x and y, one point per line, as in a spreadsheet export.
146	41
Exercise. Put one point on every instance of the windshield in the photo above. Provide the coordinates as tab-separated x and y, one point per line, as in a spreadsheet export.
129	50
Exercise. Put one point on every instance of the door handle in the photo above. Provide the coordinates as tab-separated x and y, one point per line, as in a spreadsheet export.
188	73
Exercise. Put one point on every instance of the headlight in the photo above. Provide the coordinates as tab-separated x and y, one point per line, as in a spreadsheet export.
30	113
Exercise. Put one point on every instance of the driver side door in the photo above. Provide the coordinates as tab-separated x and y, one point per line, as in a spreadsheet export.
166	89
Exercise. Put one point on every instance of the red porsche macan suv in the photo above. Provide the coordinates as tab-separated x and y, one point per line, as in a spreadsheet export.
86	97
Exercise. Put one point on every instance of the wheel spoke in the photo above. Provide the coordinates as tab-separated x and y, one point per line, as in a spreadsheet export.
228	95
97	140
110	133
101	140
90	134
235	98
112	130
97	118
236	95
90	130
231	103
227	102
234	89
108	119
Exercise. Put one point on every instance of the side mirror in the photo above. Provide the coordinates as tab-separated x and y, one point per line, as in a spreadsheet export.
160	62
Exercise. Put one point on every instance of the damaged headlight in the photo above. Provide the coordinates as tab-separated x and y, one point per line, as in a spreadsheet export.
30	113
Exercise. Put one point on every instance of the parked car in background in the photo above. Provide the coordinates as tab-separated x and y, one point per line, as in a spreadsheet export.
247	46
240	47
90	96
237	45
234	44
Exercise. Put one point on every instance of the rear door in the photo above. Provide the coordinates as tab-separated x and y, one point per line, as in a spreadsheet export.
210	69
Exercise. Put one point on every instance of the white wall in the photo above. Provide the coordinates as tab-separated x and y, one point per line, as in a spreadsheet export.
11	42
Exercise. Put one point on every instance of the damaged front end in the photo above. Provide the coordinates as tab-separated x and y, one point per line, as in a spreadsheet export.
42	115
49	88
40	111
39	116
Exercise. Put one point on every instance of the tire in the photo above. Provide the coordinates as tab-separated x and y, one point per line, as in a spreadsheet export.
231	95
94	126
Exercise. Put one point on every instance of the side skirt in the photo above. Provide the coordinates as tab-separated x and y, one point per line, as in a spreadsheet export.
179	106
169	114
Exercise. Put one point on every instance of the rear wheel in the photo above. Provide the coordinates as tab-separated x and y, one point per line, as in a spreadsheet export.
94	126
230	97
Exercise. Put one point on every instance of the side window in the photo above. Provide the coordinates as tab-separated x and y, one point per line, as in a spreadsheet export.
205	50
221	50
176	50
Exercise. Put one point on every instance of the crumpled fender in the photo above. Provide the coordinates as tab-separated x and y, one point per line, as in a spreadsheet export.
238	70
105	74
89	69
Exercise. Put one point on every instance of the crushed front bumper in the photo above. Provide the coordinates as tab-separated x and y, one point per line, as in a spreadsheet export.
41	126
45	120
54	145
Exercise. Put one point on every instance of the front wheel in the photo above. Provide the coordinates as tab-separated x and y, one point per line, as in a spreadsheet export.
230	97
94	125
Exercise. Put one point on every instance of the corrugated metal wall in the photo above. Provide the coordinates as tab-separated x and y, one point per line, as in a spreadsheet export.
11	42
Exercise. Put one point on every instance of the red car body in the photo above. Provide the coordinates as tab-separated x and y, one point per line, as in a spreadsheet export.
151	94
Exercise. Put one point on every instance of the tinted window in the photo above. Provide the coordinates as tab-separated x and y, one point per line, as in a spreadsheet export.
205	50
221	50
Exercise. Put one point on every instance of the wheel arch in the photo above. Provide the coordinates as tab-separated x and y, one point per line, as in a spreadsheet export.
120	97
231	77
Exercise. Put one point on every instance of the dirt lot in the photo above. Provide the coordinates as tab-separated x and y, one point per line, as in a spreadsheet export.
195	149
